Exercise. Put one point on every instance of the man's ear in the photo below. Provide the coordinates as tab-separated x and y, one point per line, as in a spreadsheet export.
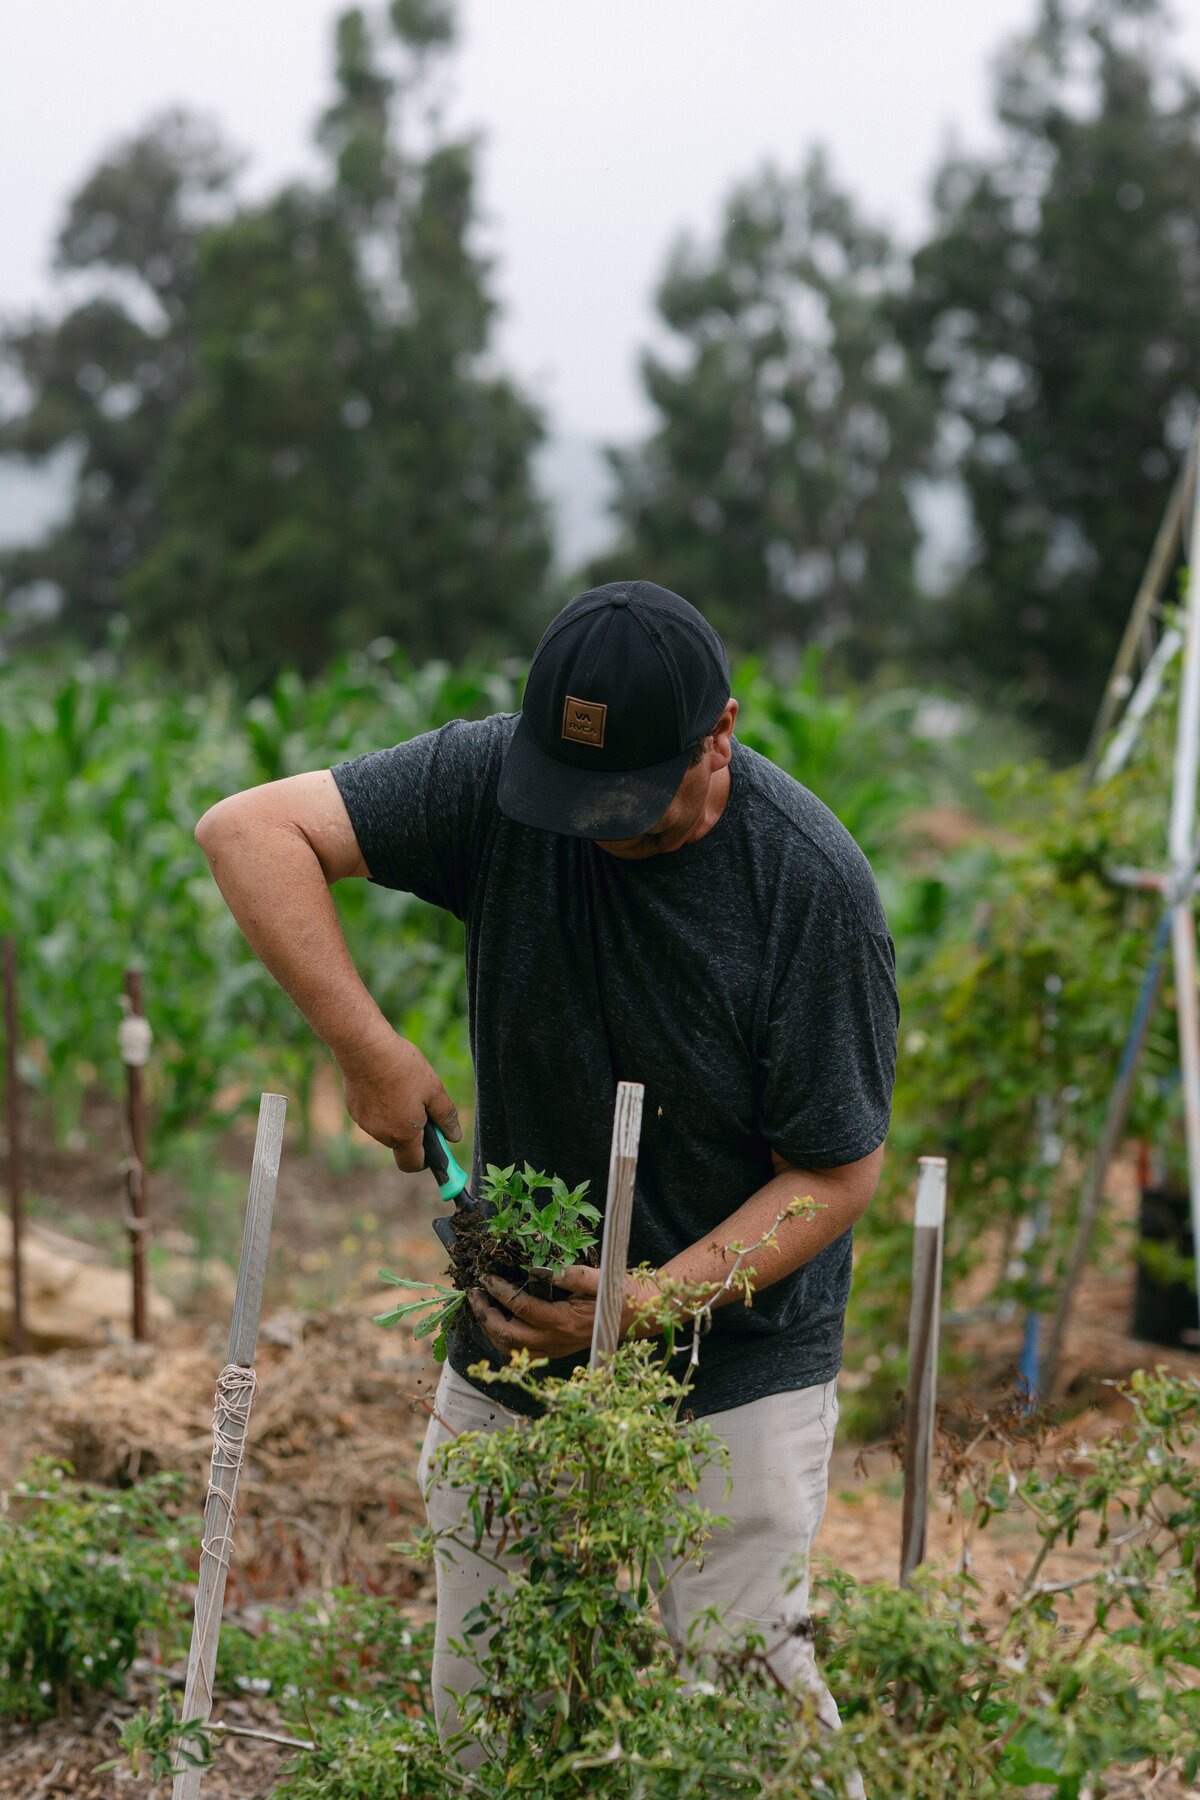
722	733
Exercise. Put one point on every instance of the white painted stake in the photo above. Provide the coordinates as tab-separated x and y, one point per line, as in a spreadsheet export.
1166	543
230	1419
618	1214
923	1323
1147	692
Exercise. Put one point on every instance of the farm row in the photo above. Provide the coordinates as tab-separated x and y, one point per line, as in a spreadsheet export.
1019	962
1069	1668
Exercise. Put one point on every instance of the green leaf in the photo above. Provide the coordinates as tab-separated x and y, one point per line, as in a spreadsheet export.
1034	1754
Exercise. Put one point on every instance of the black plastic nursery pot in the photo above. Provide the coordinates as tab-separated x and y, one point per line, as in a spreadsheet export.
1165	1312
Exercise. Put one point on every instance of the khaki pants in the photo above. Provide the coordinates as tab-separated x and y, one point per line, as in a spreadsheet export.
779	1465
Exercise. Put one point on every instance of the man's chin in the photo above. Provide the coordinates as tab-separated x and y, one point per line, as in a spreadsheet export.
629	849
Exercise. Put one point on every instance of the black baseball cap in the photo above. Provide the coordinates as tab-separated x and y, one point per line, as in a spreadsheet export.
625	682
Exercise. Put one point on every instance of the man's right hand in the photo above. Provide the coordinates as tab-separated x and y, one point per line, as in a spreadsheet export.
391	1089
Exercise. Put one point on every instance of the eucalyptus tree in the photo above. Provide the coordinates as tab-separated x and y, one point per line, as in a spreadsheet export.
105	376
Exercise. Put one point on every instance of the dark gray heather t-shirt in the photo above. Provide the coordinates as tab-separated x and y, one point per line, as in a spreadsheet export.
747	980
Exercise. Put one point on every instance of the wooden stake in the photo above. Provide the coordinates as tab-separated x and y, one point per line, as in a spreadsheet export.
618	1215
12	1100
1145	694
135	1041
1183	943
923	1324
230	1419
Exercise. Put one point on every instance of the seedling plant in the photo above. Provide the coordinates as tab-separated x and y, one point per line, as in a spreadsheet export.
529	1227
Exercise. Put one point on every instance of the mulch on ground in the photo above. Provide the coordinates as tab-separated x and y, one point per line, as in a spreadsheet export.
329	1480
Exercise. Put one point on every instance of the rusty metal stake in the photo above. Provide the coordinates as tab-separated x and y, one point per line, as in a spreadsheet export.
12	1098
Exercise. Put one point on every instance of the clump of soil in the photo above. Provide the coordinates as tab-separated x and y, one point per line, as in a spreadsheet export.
475	1252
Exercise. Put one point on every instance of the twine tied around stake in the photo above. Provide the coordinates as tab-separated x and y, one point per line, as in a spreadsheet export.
231	1416
134	1038
132	1174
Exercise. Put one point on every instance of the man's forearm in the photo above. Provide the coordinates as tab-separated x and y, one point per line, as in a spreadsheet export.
561	1328
275	851
274	886
838	1197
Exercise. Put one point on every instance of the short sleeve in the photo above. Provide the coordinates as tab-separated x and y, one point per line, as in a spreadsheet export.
422	810
831	1024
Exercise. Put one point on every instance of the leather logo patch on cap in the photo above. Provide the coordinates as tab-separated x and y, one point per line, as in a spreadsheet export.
583	721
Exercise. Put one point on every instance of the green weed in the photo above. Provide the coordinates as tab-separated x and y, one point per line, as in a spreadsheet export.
546	1224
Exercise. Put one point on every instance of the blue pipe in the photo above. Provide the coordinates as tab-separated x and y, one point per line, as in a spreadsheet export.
1030	1360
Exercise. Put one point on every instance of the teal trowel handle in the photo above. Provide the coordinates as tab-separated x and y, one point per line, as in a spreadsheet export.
438	1158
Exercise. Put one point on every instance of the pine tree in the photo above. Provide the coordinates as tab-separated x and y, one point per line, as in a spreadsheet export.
337	460
1056	310
775	491
107	376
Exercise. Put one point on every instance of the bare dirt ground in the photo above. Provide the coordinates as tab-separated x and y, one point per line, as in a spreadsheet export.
329	1486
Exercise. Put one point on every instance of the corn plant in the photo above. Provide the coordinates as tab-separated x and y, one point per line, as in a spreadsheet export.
106	766
103	774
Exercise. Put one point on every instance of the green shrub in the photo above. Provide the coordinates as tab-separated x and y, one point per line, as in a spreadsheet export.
1058	1688
87	1575
372	1755
345	1643
1072	1678
1012	1029
940	1691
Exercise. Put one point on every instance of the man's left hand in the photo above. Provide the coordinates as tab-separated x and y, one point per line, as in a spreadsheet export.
557	1327
543	1327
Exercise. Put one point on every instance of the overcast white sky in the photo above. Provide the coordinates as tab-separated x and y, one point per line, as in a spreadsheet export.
609	125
